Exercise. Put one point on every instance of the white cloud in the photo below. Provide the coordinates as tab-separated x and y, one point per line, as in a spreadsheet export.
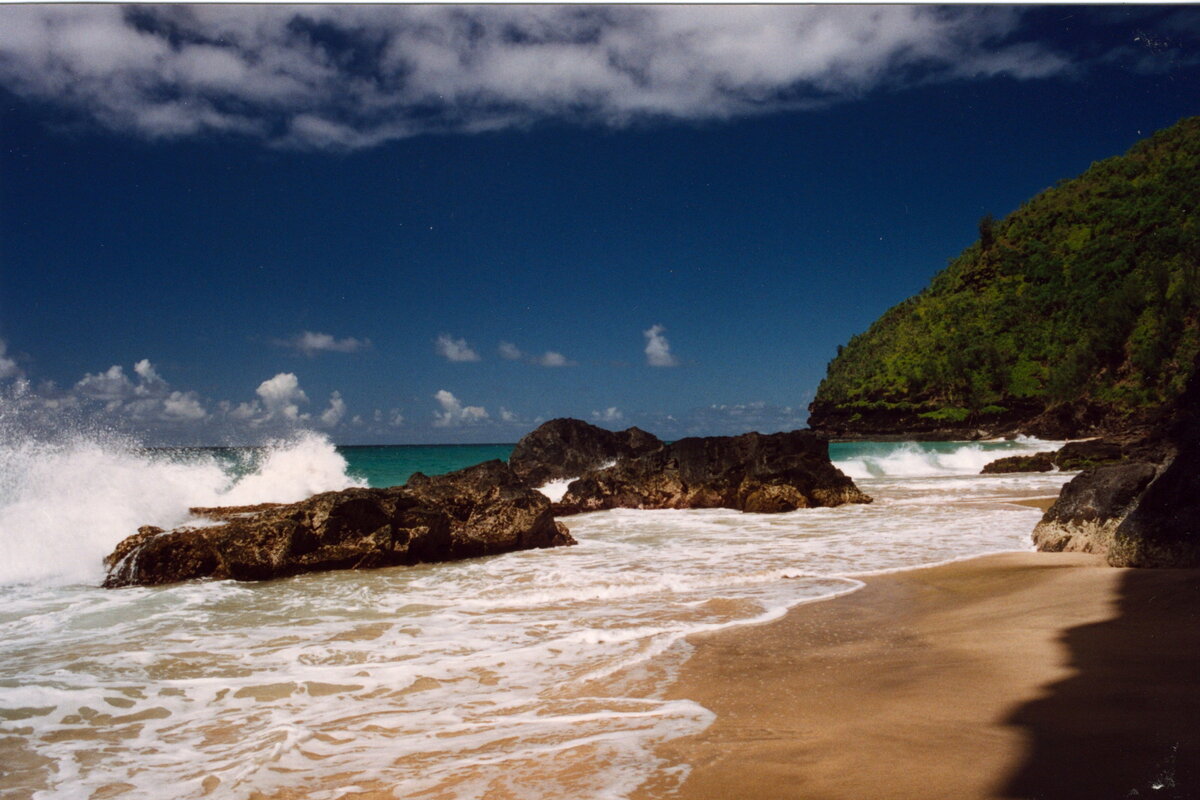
337	409
658	349
183	406
610	414
146	371
552	359
111	385
310	343
351	76
454	413
455	349
8	367
507	416
150	399
282	396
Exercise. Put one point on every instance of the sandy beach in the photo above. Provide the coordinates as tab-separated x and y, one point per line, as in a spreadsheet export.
1035	675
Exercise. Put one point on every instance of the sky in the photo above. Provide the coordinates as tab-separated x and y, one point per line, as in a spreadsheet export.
446	223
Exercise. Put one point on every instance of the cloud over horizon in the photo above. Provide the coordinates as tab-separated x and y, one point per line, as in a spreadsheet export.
310	343
454	413
453	349
347	77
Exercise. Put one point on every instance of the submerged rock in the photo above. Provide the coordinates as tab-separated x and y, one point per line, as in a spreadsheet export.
752	472
568	448
480	510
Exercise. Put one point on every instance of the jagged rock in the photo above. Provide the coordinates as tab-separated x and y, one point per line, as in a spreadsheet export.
1038	462
752	472
1090	507
568	448
481	510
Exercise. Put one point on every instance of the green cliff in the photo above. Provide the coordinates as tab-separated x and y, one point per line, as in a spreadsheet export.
1078	313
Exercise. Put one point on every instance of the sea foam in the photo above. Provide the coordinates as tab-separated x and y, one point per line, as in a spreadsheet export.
65	503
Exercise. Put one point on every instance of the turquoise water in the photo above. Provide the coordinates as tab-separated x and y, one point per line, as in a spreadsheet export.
391	465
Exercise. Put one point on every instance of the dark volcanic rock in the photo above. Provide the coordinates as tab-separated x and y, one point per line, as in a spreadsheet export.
1038	462
1090	507
1144	512
477	511
1164	529
568	448
752	472
1087	454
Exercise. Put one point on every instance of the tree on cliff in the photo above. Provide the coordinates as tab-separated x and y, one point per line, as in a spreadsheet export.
1089	294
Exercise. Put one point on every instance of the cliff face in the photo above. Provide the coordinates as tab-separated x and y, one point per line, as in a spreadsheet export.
1078	314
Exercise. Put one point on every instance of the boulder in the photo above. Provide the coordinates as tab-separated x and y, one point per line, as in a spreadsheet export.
1038	462
1163	530
568	448
752	472
1089	508
481	510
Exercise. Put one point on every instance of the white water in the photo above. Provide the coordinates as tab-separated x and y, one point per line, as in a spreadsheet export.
65	504
534	674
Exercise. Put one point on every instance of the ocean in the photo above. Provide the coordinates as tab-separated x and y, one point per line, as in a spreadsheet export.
528	675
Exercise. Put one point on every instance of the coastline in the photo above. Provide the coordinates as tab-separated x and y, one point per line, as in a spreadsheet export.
1011	675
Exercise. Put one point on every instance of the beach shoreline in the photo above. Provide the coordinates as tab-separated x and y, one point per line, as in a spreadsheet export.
1009	675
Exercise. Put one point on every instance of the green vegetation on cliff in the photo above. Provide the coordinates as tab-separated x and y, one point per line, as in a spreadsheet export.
1088	293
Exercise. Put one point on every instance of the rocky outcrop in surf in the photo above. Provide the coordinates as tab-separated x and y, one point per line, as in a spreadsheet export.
752	472
568	448
1038	462
481	510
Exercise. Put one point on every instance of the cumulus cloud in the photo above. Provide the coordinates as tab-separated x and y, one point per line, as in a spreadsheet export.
8	367
610	414
310	343
148	399
508	416
337	409
351	76
281	396
454	413
552	359
455	349
658	349
509	351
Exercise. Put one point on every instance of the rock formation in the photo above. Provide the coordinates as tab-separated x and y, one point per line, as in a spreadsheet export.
1143	512
1038	462
569	448
1090	507
477	511
752	472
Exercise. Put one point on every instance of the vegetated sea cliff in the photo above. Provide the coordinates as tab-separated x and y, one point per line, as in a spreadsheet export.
1077	314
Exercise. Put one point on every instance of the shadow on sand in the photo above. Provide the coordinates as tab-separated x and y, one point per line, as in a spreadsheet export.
1127	724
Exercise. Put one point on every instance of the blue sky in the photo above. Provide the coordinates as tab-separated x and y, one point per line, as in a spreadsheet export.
449	223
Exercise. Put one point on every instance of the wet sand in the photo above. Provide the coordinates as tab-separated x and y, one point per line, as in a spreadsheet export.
1046	675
